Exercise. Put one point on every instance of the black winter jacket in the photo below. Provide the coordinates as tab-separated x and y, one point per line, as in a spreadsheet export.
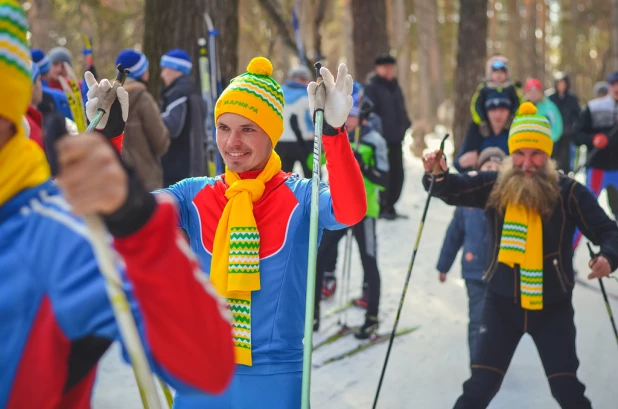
183	112
568	104
577	207
390	106
599	116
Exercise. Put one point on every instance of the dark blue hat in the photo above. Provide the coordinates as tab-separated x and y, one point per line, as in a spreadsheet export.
178	60
41	60
134	61
497	99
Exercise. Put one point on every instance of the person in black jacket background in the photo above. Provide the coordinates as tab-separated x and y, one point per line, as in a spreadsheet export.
568	104
530	279
183	112
384	91
597	128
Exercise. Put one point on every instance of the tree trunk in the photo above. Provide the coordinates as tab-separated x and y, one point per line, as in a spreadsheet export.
178	24
542	45
492	28
41	13
470	62
398	16
368	34
614	35
513	41
529	45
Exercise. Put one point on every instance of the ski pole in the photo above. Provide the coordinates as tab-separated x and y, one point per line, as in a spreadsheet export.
405	286
609	308
320	99
99	238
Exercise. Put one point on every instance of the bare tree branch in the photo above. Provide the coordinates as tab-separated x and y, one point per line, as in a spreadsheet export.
283	25
320	13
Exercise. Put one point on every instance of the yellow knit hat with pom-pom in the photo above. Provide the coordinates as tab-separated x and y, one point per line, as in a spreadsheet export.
530	130
16	82
256	96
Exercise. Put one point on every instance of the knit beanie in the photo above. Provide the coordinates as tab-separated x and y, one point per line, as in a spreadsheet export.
15	78
493	154
497	99
134	61
178	60
41	60
530	130
60	54
36	72
256	96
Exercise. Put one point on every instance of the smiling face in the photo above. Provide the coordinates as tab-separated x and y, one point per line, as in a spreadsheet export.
242	143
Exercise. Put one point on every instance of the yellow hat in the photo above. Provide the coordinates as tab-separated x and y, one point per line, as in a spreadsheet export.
530	130
256	96
15	80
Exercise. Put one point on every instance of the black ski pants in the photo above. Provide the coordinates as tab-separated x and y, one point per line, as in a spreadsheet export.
553	332
365	234
391	195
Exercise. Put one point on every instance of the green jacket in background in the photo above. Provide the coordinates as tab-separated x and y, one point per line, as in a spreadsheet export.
373	153
550	111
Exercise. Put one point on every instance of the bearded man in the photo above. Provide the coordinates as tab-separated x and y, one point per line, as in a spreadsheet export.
533	211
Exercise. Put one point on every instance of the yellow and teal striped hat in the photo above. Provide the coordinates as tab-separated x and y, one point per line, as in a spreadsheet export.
256	96
530	130
15	80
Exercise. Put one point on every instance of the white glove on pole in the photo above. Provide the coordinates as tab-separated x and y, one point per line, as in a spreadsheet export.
96	96
338	95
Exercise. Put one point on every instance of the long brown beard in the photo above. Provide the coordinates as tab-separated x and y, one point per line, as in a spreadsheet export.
539	192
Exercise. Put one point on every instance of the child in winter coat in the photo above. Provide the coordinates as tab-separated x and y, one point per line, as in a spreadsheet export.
497	81
469	228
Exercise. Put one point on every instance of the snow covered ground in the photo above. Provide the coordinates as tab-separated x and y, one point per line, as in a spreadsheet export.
428	366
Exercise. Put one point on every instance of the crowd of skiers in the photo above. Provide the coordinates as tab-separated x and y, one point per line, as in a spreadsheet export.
165	139
520	218
226	328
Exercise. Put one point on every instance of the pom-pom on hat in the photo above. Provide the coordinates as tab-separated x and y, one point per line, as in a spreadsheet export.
134	61
530	130
15	72
256	96
41	60
178	60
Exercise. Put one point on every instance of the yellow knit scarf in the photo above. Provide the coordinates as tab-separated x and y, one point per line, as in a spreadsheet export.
235	266
522	243
22	165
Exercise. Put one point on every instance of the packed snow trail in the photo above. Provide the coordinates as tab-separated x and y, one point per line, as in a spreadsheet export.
428	366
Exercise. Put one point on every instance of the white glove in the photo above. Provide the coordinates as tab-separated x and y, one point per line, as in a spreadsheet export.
338	95
97	92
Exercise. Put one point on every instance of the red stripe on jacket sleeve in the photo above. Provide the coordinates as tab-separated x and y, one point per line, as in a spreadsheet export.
185	321
117	142
347	187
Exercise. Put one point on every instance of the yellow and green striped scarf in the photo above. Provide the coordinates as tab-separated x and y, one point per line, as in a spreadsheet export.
522	243
235	265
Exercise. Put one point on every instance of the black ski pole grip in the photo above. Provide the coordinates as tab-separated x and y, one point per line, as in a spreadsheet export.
122	73
318	75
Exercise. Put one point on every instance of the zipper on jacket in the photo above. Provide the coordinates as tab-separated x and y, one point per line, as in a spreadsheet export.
560	278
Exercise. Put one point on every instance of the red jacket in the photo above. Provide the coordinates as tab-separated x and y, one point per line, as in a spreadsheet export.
35	119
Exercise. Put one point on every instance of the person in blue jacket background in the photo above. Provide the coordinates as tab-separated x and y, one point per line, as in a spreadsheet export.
498	107
469	229
51	96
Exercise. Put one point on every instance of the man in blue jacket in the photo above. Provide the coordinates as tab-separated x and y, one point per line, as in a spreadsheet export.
296	142
469	228
498	107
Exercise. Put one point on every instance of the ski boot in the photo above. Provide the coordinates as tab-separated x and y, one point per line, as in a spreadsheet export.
363	301
329	285
368	329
